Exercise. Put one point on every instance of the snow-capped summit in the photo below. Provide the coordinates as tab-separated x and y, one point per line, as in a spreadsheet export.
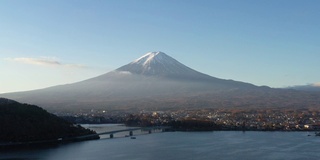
159	64
149	57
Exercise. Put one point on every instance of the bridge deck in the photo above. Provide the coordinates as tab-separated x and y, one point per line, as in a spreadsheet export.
122	130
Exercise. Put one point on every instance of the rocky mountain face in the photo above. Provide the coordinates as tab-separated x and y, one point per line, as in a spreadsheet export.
157	81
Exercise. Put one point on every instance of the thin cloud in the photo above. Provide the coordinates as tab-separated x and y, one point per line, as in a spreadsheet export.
316	84
44	62
35	61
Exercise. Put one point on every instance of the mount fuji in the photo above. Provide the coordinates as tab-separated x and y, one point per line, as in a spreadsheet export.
157	81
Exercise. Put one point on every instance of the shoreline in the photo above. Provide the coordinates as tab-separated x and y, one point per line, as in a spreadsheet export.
49	143
17	145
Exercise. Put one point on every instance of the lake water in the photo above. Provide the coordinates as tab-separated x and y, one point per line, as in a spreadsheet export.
181	145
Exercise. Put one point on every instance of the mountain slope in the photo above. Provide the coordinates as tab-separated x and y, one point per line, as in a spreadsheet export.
157	81
159	66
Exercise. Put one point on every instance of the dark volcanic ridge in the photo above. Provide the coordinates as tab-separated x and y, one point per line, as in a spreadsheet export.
157	81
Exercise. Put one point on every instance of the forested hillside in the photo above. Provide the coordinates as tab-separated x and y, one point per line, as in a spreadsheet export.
26	123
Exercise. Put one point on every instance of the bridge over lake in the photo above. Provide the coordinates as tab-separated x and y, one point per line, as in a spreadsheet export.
130	130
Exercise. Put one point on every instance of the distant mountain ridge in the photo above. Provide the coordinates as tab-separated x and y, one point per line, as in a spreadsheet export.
157	81
310	87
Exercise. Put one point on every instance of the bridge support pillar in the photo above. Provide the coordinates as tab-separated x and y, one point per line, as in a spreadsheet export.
111	135
131	133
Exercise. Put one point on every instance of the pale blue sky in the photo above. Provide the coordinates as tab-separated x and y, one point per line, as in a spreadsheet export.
267	42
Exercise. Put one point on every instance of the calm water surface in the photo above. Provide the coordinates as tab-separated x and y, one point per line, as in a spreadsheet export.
182	145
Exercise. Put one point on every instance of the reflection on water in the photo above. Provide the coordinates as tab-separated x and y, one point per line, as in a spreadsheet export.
183	145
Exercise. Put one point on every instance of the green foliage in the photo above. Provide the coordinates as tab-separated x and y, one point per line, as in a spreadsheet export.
24	123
